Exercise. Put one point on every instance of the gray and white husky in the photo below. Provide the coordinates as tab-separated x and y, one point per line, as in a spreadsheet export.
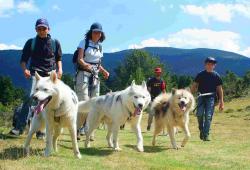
115	109
61	104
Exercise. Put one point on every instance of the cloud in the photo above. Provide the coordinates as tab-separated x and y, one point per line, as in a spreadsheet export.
8	47
5	7
218	12
56	8
9	7
198	38
113	50
27	6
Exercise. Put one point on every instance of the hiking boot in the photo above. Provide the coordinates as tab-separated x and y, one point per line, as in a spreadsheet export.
148	128
15	132
40	135
78	135
201	136
206	138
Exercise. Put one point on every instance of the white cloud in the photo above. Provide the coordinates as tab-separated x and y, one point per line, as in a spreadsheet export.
246	52
56	8
27	6
219	12
198	38
5	7
8	47
115	50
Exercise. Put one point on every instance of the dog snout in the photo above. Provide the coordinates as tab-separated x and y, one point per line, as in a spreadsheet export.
140	105
183	103
35	98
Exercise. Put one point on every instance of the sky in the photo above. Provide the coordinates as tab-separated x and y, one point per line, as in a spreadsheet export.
130	24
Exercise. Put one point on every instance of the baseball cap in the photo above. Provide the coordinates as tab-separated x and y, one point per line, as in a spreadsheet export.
96	27
210	60
42	23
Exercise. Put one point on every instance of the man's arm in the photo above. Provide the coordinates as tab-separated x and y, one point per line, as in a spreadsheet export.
221	98
59	67
26	72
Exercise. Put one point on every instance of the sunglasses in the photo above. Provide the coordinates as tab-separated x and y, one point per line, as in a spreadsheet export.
41	28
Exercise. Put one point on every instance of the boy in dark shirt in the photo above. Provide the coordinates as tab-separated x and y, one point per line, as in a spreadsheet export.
45	55
156	86
209	85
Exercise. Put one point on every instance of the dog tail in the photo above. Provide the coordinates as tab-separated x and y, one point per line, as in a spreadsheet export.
84	106
160	104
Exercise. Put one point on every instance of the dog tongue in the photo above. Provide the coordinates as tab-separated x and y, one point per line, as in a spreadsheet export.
39	107
137	111
182	107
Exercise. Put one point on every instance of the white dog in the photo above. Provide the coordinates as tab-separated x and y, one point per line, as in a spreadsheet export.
115	109
172	111
61	105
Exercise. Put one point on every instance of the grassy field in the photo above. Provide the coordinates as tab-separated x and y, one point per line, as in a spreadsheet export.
229	148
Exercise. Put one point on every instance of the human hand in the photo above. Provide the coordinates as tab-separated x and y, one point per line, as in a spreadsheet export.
26	73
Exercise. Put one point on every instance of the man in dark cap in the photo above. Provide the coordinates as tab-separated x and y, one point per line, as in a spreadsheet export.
209	85
45	55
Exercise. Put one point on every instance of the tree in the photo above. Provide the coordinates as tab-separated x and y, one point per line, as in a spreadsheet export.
137	65
8	93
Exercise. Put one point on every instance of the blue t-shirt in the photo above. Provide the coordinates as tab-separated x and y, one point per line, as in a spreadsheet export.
208	81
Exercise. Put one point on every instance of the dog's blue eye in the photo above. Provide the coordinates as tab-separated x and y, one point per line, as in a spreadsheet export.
143	97
45	89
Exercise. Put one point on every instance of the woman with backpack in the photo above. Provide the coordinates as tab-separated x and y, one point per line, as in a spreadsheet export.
89	63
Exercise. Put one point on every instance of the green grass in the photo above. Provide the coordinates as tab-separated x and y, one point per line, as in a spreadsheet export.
229	148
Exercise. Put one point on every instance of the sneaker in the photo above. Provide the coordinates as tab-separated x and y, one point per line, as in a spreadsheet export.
40	135
148	128
82	131
14	132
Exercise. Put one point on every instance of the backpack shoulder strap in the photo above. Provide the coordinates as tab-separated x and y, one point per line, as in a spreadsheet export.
33	43
100	47
86	45
53	44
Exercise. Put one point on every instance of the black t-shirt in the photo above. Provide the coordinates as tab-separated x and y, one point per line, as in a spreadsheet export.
42	59
208	81
156	86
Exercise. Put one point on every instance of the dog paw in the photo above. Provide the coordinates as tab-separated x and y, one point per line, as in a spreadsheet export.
110	145
140	148
153	142
87	145
176	147
78	156
117	149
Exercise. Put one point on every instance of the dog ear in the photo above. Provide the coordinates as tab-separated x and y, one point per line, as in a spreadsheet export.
37	76
144	85
133	83
53	76
173	91
188	89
